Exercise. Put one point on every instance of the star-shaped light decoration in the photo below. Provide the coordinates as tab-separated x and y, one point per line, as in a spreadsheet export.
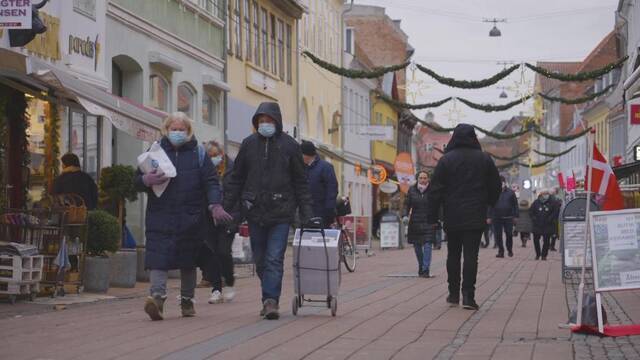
413	86
522	87
455	114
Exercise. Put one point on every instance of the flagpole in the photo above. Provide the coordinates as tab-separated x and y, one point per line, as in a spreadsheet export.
587	239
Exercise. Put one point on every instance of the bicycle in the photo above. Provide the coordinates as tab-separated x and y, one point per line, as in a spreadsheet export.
347	250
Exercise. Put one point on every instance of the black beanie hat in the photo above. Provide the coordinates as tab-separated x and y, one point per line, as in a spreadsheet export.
308	148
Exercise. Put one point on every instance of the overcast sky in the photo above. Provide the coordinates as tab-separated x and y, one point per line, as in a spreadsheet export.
450	38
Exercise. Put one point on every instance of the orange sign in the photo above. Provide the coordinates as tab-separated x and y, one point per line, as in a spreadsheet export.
404	170
377	174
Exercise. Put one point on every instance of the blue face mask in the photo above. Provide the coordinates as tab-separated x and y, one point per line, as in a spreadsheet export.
216	160
177	138
267	129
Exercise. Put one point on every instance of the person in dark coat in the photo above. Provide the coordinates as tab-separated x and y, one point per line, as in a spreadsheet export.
175	221
503	215
415	213
544	213
269	180
465	182
323	183
558	202
215	259
523	225
74	181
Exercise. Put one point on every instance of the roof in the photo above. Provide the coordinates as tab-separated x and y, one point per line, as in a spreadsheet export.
596	50
547	84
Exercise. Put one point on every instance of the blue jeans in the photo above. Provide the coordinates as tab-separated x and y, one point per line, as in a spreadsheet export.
423	253
438	242
268	244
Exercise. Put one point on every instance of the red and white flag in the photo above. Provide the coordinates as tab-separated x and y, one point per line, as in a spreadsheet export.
604	182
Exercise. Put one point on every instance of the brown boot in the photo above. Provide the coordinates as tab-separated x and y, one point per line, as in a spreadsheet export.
154	306
187	306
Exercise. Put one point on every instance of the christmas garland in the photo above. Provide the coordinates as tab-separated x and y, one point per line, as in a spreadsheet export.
465	84
554	155
52	146
410	106
536	165
579	100
507	158
561	138
581	76
501	136
492	108
16	111
3	149
355	74
435	127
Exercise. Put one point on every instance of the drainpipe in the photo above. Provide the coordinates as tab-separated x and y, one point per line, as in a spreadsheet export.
297	134
225	76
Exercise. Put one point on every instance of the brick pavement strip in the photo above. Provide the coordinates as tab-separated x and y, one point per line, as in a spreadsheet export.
522	302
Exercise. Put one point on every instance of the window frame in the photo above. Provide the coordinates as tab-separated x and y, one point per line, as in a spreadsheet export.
264	24
247	29
214	116
168	92
281	64
289	49
237	26
69	129
274	55
256	33
193	107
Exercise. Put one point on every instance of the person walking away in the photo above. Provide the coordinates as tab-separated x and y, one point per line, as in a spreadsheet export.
503	215
323	183
220	238
543	213
523	225
175	220
487	233
74	181
558	203
269	181
415	214
465	182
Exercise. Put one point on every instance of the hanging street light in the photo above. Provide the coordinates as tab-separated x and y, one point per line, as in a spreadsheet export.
495	32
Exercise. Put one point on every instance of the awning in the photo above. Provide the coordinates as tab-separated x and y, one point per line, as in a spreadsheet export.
126	115
627	170
22	82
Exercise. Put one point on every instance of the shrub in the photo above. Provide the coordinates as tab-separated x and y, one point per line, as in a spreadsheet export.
104	233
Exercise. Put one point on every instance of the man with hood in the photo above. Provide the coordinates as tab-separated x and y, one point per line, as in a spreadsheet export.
269	181
465	182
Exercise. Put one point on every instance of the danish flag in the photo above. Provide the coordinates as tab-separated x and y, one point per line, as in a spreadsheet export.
604	182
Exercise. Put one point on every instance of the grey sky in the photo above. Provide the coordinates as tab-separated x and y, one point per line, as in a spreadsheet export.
450	38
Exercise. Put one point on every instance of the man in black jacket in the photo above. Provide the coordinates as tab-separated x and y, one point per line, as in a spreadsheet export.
465	182
269	181
503	215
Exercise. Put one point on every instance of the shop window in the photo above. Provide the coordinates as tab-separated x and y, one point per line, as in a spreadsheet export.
84	141
186	99
159	92
211	108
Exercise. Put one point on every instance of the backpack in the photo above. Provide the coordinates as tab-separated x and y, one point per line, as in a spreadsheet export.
201	155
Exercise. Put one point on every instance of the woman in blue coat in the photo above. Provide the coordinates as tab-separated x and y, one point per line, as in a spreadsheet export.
175	221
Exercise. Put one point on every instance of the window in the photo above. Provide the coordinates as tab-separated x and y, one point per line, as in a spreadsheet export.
289	56
186	100
264	23
247	28
256	33
85	7
229	29
274	65
281	49
212	7
210	108
84	140
237	25
159	93
349	43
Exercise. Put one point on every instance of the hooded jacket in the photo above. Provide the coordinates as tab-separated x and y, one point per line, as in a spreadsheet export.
269	178
465	182
544	214
323	186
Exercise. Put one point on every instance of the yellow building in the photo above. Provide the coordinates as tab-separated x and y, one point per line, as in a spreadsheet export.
595	116
384	114
262	63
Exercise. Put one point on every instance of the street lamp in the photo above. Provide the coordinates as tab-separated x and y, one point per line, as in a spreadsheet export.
495	32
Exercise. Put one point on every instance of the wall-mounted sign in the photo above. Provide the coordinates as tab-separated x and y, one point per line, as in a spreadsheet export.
636	153
85	47
388	187
15	14
377	174
47	45
634	114
376	132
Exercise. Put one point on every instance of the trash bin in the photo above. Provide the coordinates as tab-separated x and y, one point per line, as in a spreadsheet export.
391	231
573	233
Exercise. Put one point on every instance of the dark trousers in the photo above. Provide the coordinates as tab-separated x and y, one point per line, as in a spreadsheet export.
205	262
222	266
506	225
487	236
463	244
545	244
554	237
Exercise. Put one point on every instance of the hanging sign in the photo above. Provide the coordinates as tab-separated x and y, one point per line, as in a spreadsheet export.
15	14
634	114
388	187
376	132
404	170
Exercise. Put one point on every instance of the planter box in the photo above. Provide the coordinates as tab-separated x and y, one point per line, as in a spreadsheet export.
142	275
124	268
97	274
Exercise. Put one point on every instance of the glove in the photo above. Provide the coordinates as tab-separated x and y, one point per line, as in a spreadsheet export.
219	215
154	178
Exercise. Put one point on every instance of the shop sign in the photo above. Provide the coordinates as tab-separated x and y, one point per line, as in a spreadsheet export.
634	114
85	47
47	45
388	187
15	14
376	132
636	153
404	170
377	174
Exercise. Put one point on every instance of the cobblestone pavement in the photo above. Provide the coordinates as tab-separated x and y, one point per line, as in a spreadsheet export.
379	317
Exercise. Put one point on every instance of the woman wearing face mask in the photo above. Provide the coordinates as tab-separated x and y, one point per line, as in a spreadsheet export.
543	213
175	221
415	211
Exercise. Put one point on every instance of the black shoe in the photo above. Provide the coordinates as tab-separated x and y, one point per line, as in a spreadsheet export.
425	274
537	257
453	301
469	303
544	258
510	253
499	255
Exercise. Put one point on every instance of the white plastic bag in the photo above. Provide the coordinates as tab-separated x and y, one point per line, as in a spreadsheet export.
156	158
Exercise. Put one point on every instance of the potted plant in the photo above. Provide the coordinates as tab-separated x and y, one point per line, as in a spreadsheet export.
103	237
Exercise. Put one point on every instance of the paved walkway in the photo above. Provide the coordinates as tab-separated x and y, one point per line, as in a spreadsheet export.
379	317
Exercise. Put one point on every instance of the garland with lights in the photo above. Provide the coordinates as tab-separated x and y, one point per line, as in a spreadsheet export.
580	100
507	158
466	84
581	76
555	155
403	105
352	73
52	146
561	138
493	108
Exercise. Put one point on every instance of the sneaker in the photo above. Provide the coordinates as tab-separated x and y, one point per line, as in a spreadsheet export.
453	301
187	307
499	255
469	303
154	306
425	274
271	310
228	294
216	297
510	253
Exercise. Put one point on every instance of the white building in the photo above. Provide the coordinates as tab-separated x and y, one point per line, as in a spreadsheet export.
628	20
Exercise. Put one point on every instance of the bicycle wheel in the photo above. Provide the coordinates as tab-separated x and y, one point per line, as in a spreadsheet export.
348	252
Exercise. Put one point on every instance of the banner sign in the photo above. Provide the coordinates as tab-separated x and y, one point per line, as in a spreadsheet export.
15	14
616	247
376	132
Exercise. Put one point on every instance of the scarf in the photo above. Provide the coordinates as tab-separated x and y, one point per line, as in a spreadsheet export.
422	188
70	169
